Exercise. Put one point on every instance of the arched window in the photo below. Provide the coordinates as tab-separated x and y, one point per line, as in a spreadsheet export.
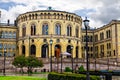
41	15
49	15
45	51
77	31
30	17
36	16
69	50
33	29
33	50
61	16
69	30
45	16
23	49
23	31
45	29
58	29
54	15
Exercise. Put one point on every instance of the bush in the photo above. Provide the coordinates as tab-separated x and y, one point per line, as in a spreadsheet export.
70	76
67	69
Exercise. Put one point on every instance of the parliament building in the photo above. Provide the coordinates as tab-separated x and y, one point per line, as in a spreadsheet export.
32	32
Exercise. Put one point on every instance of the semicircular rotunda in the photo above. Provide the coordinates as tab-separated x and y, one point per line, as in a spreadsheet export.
37	28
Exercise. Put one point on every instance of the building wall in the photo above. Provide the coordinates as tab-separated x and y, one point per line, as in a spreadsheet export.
39	40
102	48
8	40
107	41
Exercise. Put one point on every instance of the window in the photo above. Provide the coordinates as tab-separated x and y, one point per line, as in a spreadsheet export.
91	38
10	34
69	30
6	34
108	45
45	29
108	34
77	32
101	36
0	46
14	35
3	34
102	48
96	38
0	34
57	29
33	29
23	31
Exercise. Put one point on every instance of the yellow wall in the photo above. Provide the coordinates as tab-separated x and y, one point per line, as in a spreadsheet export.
38	38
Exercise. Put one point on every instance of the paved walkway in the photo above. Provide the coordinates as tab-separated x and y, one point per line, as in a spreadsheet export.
116	78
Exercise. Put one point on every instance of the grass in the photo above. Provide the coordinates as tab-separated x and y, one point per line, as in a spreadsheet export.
20	78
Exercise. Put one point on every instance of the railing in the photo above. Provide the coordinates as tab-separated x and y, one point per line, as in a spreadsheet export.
49	36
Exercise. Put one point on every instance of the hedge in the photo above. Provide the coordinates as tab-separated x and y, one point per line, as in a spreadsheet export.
70	76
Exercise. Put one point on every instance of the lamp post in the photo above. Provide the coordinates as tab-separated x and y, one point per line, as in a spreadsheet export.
4	62
108	62
86	24
51	42
72	57
115	63
61	62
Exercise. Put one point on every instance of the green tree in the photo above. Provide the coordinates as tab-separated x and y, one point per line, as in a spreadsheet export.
32	62
81	68
19	62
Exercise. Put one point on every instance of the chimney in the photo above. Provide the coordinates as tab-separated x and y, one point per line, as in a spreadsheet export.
15	23
8	22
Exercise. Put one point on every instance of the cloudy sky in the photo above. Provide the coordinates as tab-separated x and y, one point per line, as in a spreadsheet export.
99	12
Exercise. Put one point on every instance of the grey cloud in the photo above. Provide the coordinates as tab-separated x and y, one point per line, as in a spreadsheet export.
109	11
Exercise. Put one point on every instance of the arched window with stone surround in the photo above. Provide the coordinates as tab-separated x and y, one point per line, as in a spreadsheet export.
45	29
30	17
69	30
58	29
33	50
77	31
23	49
23	31
33	29
44	51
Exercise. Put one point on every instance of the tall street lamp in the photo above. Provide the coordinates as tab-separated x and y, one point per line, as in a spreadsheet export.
61	62
4	62
51	42
86	24
72	57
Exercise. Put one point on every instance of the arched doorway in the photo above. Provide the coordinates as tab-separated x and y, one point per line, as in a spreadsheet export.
57	50
33	50
69	50
44	51
23	50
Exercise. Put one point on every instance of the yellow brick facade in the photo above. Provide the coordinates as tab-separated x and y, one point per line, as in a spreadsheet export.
65	29
105	42
39	40
8	40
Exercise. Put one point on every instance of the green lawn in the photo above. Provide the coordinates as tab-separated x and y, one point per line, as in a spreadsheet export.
20	78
